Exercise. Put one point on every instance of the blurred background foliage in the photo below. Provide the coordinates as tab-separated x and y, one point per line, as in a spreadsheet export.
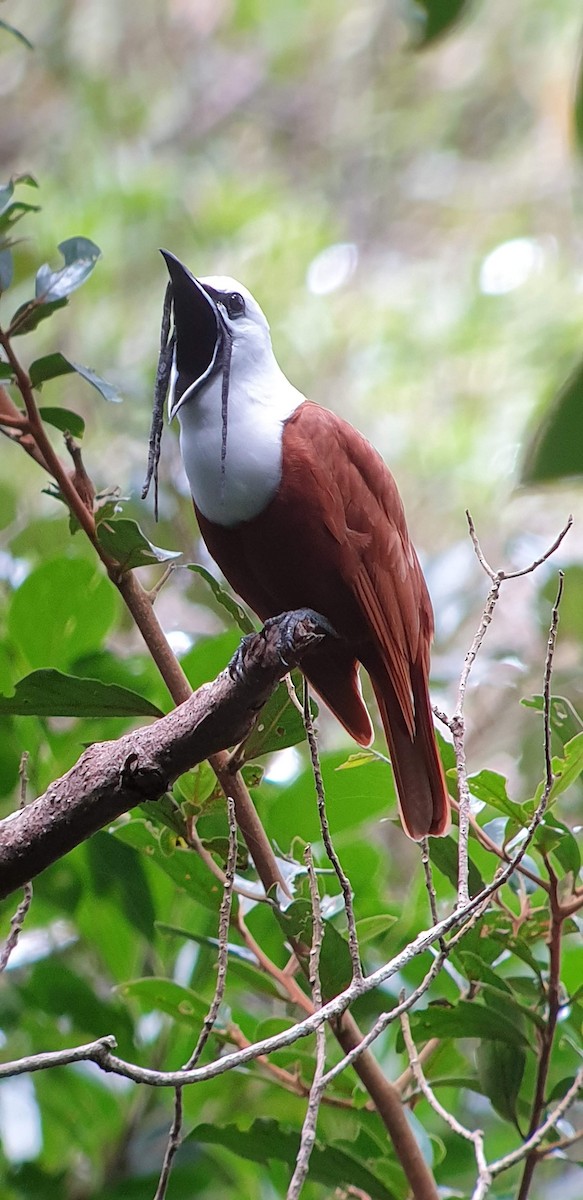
408	220
404	201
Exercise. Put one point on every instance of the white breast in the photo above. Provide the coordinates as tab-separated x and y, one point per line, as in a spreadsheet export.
257	411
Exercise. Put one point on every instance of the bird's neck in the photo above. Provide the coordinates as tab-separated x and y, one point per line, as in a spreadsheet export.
260	401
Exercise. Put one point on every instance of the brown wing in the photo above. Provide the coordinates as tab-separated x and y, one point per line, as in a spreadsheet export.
334	538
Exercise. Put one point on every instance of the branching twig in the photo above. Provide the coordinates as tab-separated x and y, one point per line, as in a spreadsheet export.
224	922
283	978
532	1143
258	896
457	723
459	919
557	918
475	1136
308	1135
329	847
174	1137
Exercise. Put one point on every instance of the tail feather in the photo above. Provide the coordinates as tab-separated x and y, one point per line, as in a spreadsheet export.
421	787
334	676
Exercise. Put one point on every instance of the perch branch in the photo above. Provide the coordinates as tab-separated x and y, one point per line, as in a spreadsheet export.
112	777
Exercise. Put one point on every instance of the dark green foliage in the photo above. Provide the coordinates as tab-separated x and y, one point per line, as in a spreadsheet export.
49	693
556	450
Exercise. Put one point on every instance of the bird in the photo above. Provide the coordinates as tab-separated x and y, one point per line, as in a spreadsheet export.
300	511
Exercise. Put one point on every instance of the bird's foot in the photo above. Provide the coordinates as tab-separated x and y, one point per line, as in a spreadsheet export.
293	633
314	628
236	667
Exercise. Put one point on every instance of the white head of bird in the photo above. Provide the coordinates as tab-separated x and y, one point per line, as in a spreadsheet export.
229	393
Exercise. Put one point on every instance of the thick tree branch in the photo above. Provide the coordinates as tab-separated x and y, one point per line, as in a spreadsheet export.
112	777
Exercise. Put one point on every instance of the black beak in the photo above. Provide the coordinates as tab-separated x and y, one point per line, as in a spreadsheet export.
200	333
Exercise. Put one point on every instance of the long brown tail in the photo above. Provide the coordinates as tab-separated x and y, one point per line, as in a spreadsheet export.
421	787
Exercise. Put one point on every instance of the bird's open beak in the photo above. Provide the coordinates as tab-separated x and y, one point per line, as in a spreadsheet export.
200	334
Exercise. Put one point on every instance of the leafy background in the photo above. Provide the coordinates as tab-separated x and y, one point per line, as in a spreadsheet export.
403	198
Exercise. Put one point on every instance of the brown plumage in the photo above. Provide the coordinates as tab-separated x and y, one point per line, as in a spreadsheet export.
334	538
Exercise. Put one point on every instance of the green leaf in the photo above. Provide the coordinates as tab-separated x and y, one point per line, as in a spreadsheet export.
184	867
52	366
242	963
50	693
564	718
500	1072
12	210
219	846
280	725
335	961
6	269
17	34
166	813
117	871
443	853
6	371
267	1140
29	315
430	19
124	540
80	255
353	797
53	988
361	759
105	389
490	787
476	970
467	1019
213	943
224	599
64	419
196	787
552	837
370	928
556	450
49	367
209	656
62	610
566	770
164	995
578	107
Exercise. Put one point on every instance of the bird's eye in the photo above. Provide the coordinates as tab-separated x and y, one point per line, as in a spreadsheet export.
235	304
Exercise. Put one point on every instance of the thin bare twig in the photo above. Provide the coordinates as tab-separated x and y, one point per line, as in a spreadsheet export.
20	915
174	1139
224	922
459	919
557	918
324	826
457	722
206	857
476	1136
308	1135
283	978
425	859
384	1020
531	1144
562	1143
174	1136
